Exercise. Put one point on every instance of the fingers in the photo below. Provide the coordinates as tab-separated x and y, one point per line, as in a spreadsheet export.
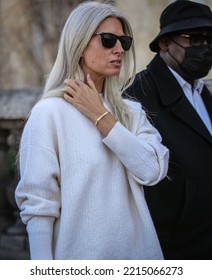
77	89
78	85
84	97
71	90
68	97
90	82
71	86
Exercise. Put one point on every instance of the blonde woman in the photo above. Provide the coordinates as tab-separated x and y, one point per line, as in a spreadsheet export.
85	157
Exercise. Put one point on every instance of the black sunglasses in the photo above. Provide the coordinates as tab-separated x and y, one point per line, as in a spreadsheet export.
197	39
109	40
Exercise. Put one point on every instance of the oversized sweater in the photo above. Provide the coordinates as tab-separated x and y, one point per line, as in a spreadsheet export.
80	194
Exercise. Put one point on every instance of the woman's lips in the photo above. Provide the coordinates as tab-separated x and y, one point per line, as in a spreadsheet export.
116	62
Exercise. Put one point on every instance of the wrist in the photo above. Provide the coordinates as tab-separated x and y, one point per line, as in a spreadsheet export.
100	117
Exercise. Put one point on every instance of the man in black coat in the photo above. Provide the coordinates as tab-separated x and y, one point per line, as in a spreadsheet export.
180	106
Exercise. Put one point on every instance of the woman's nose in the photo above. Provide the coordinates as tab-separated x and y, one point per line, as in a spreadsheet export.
118	47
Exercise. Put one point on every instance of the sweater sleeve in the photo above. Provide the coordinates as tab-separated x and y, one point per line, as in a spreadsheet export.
140	150
38	191
40	240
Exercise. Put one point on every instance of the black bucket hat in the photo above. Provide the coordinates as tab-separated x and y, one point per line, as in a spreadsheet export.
182	15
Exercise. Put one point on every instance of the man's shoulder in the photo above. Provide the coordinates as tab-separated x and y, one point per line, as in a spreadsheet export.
143	82
142	74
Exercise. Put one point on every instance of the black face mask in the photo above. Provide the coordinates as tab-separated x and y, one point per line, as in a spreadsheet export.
197	61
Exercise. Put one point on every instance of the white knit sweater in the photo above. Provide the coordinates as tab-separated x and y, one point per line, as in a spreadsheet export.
75	194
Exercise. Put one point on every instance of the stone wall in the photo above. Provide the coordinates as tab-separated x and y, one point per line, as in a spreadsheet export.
29	35
30	30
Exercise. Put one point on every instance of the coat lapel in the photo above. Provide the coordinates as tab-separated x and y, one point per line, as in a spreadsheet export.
172	95
184	111
207	98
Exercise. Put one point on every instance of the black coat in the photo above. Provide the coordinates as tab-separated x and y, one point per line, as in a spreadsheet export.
181	206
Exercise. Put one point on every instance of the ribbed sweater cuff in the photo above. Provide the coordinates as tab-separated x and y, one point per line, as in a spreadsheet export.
40	232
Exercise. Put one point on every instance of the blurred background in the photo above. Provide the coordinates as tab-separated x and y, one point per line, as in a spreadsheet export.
30	30
29	35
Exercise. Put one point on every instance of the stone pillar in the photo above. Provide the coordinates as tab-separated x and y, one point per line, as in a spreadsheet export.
15	106
6	216
13	141
13	237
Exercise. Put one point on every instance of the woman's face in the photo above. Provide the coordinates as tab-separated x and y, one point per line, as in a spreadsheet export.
99	61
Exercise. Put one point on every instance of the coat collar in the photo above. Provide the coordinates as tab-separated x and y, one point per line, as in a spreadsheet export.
207	98
171	94
164	81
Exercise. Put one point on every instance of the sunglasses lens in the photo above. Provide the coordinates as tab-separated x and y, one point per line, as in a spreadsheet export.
209	41
108	40
197	39
126	42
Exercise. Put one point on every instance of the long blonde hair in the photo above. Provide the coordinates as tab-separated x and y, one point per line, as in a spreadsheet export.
77	32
